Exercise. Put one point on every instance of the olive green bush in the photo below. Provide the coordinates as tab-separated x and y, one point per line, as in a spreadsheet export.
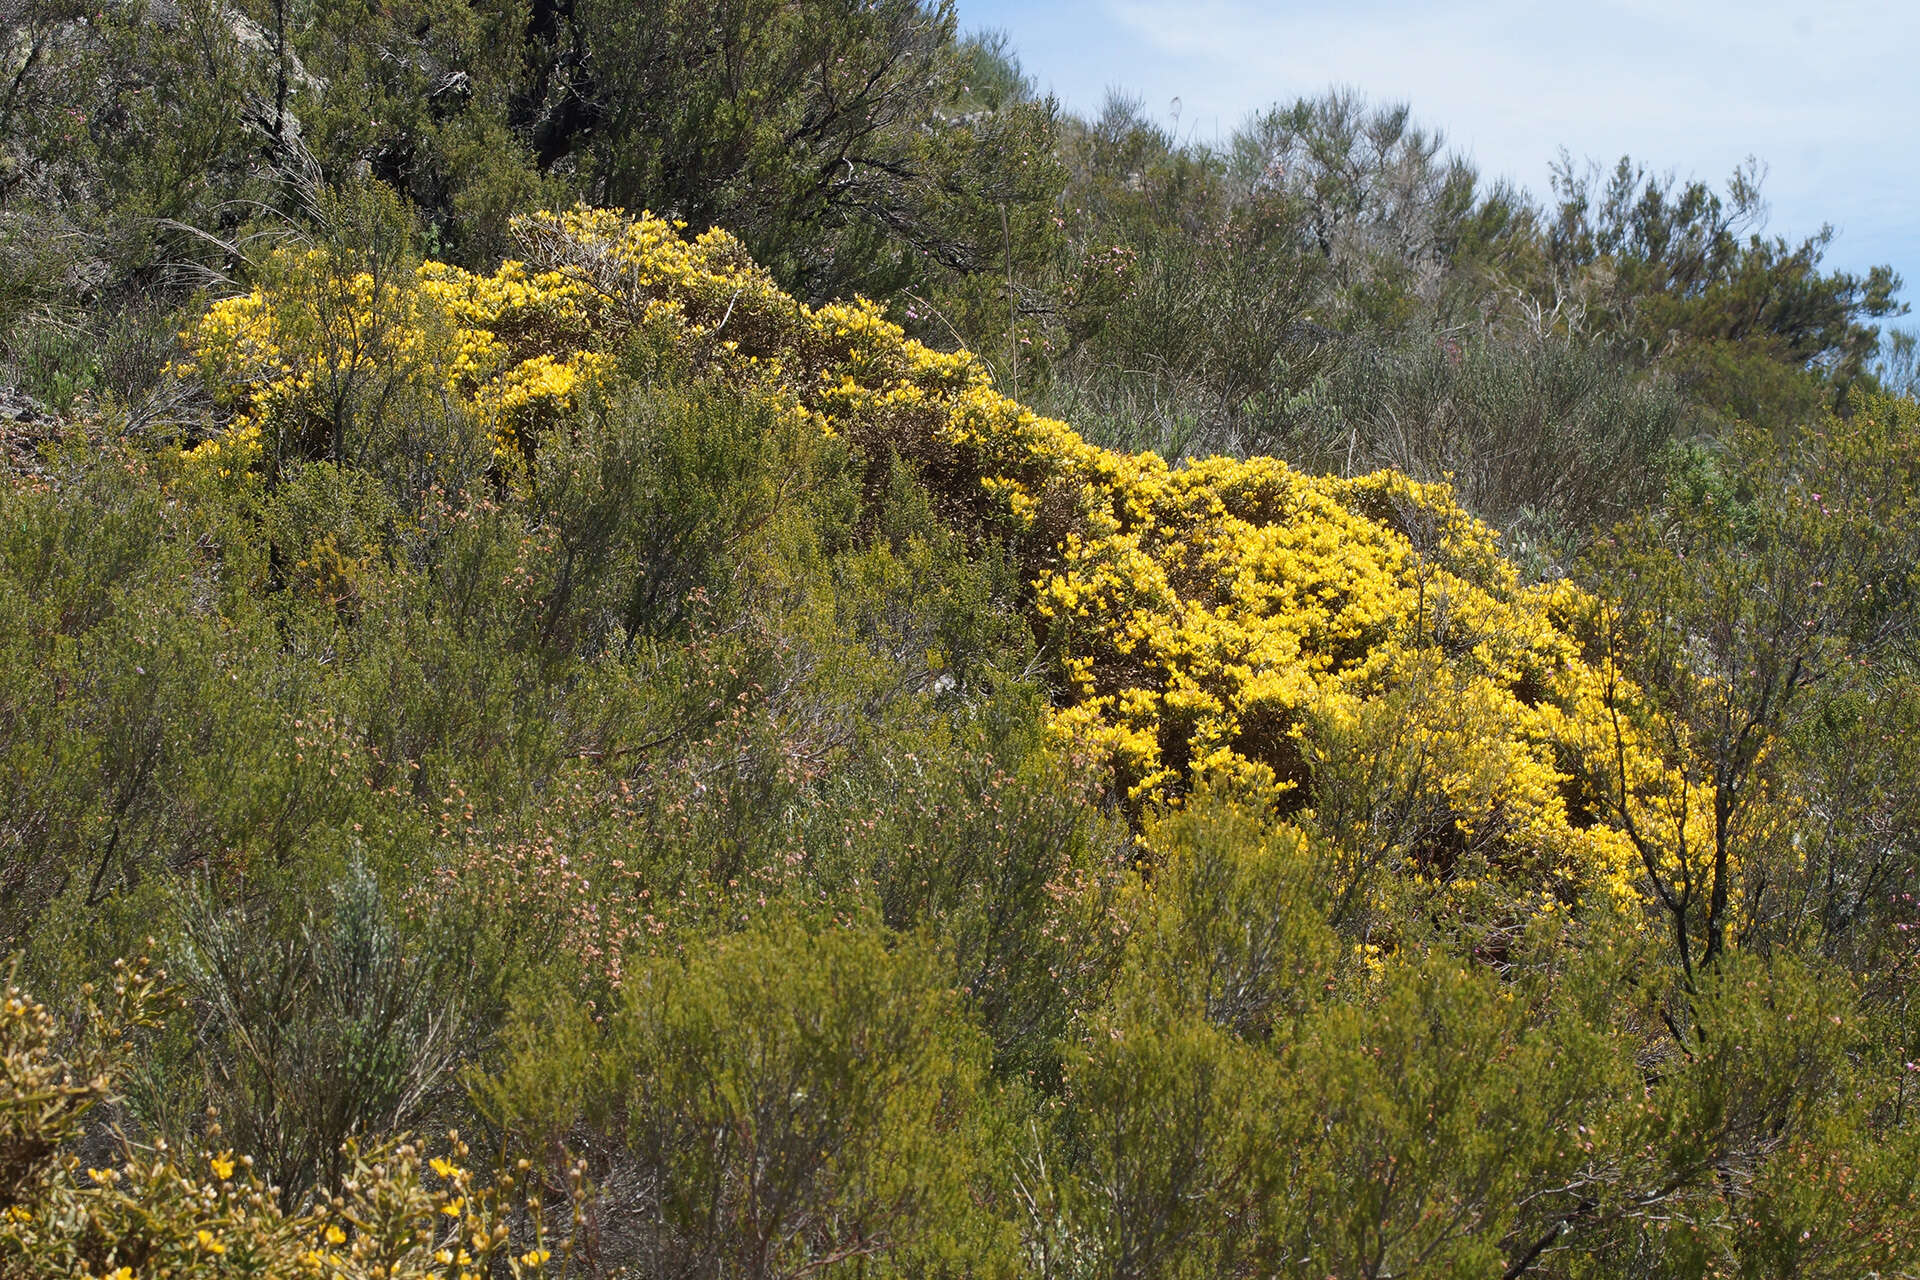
784	1102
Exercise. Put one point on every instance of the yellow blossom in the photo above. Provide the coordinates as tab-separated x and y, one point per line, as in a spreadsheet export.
1216	620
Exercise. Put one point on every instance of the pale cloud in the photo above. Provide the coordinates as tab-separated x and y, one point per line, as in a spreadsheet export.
1822	93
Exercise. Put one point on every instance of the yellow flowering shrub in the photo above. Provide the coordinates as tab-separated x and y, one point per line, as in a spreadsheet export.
1217	620
203	1214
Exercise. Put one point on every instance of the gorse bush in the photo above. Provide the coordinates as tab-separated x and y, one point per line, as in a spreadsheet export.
207	1212
1203	620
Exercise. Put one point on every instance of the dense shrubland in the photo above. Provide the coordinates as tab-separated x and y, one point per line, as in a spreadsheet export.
541	743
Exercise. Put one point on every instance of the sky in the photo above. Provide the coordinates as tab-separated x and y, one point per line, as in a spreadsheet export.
1826	95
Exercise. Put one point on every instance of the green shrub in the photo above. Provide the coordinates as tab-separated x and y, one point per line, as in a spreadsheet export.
345	1031
774	1104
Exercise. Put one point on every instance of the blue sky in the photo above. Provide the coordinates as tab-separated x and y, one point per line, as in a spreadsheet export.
1826	95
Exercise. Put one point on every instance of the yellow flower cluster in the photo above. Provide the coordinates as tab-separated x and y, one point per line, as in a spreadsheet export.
288	353
203	1214
1240	622
1227	620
